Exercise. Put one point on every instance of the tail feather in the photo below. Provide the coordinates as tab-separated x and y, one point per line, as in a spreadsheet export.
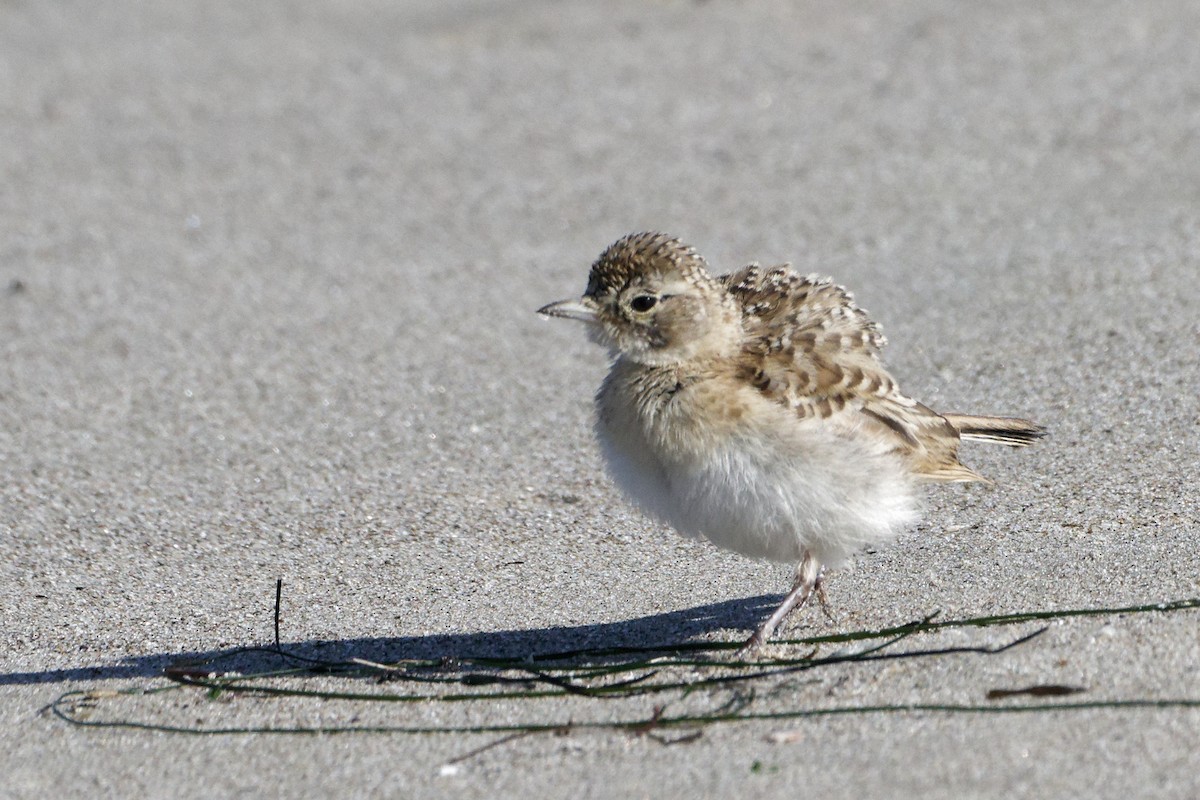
1004	430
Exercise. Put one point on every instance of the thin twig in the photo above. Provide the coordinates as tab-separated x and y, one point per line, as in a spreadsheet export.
502	740
278	600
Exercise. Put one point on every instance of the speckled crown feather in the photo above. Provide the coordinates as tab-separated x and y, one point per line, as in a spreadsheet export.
642	254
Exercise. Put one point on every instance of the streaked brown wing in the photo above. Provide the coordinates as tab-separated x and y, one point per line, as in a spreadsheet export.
811	348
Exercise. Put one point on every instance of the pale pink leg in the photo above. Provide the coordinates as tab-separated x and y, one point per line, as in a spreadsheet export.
808	580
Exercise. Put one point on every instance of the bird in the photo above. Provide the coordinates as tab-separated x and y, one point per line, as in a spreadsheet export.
753	410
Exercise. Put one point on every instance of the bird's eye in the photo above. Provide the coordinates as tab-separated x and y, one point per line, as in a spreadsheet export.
643	302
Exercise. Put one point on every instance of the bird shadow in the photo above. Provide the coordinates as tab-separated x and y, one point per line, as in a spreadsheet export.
655	630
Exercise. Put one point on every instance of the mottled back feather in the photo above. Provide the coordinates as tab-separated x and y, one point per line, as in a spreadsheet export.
810	347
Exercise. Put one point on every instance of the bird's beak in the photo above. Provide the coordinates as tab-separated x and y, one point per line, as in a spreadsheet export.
583	310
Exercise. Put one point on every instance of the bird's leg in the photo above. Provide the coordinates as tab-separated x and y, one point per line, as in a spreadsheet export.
808	579
820	590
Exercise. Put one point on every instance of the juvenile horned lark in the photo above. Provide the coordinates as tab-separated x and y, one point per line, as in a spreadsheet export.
753	410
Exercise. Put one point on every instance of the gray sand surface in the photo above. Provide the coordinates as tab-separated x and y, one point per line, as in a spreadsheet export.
267	280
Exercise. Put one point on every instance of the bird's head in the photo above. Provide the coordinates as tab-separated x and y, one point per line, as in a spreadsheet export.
650	299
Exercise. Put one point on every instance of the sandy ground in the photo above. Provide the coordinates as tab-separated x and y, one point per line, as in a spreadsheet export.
267	275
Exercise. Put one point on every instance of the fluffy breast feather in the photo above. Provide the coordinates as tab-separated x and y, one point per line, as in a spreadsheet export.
715	459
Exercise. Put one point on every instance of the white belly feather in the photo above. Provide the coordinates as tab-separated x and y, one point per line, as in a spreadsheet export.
774	491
